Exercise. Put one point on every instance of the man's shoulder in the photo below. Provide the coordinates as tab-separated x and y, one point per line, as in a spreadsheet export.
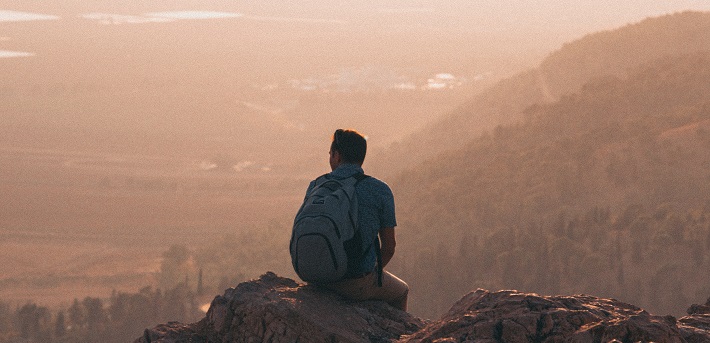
374	181
374	184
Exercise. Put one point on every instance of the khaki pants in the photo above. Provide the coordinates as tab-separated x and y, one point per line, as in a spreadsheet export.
393	291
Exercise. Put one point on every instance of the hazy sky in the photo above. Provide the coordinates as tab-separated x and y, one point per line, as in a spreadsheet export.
580	14
565	19
567	16
573	12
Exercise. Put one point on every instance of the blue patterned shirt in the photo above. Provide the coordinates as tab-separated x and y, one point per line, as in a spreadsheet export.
375	211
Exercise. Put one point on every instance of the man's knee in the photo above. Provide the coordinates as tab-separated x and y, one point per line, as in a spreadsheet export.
396	291
397	285
401	301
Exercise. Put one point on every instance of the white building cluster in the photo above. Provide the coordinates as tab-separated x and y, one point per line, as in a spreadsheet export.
371	79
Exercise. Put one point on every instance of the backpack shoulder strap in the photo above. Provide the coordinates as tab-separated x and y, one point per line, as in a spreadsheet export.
319	181
378	252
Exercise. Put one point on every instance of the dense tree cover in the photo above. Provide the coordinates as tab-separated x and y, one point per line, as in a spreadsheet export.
188	278
605	191
614	52
121	318
239	257
608	53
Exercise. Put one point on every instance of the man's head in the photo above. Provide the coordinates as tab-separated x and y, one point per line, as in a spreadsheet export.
348	146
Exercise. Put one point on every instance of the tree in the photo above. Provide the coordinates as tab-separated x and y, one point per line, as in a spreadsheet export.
175	266
34	322
60	326
95	318
77	316
200	287
6	327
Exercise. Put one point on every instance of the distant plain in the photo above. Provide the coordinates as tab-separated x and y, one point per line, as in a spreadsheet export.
121	138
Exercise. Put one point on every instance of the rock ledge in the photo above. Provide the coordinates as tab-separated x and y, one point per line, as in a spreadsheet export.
276	309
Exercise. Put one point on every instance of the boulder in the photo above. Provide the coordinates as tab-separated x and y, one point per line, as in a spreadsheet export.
512	316
696	325
276	309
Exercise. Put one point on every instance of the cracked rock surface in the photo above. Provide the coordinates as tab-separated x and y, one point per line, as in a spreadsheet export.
275	309
511	316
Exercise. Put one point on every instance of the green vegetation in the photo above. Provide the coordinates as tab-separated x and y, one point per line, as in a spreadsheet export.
609	53
615	52
188	279
603	192
120	319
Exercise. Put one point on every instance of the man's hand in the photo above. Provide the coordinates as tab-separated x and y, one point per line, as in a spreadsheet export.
388	244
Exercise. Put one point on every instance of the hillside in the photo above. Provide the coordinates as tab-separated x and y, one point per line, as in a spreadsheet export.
607	53
604	192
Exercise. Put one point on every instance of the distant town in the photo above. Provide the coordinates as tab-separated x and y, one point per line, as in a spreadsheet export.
372	79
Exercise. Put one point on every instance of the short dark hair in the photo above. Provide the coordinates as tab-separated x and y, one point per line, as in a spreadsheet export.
351	145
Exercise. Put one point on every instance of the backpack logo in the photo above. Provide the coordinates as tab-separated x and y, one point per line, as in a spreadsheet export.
325	230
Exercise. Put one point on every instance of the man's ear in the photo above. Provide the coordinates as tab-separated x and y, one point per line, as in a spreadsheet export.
338	157
335	159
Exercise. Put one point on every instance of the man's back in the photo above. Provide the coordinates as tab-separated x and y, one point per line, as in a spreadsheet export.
375	224
375	211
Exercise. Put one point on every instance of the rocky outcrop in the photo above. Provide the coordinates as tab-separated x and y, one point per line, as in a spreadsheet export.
275	309
696	325
511	316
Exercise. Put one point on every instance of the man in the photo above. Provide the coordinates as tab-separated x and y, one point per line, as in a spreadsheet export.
376	219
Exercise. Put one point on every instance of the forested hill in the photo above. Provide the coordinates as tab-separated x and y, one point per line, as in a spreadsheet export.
616	52
604	192
564	71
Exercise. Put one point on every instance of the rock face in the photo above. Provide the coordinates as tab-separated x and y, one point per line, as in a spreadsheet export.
696	325
275	309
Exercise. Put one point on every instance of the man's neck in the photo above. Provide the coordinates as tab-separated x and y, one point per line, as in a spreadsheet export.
347	166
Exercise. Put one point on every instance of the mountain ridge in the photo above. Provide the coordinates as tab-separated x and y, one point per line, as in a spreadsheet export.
566	70
609	180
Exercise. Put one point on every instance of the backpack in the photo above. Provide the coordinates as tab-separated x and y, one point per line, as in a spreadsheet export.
325	238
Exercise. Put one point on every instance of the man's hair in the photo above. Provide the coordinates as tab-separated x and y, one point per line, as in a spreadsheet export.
351	145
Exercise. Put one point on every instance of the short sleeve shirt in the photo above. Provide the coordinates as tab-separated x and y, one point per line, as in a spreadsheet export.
375	211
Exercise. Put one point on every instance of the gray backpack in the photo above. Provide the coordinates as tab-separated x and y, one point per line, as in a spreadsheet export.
325	237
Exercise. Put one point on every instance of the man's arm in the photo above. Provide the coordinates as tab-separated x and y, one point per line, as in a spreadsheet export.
388	244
